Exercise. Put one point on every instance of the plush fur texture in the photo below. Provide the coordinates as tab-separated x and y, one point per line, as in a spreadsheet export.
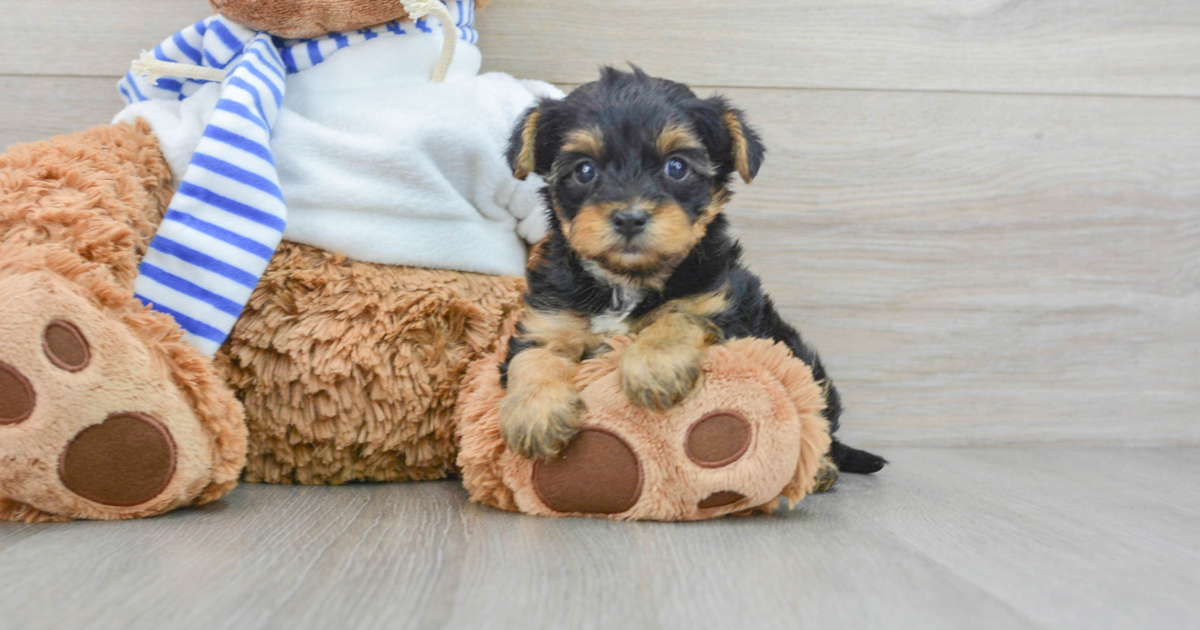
76	214
349	371
311	18
759	379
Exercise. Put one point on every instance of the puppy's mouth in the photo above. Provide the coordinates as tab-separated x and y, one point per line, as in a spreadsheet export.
631	246
629	249
636	259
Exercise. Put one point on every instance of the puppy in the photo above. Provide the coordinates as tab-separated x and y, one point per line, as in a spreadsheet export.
637	171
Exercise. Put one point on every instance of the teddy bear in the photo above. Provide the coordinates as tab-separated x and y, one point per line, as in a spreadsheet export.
172	324
296	256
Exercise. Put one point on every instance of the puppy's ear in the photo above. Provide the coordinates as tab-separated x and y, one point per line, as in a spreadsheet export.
522	146
732	144
747	148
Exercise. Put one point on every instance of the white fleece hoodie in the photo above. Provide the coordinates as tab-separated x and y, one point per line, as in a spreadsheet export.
382	164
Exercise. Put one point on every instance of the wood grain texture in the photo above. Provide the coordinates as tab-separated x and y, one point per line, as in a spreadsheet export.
87	37
1078	46
1049	537
35	108
987	268
1150	47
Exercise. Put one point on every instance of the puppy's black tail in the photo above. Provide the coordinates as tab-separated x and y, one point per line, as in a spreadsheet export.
852	460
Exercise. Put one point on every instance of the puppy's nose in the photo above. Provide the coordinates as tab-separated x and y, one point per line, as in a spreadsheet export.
630	223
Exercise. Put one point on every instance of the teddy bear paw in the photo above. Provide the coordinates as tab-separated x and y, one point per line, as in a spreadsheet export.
91	423
749	439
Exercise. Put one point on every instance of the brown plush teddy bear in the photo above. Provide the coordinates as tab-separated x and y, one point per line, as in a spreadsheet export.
347	370
170	322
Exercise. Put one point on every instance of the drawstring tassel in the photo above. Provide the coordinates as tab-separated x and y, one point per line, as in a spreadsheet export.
150	67
418	9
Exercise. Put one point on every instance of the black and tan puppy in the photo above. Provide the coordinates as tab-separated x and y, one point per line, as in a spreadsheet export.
637	172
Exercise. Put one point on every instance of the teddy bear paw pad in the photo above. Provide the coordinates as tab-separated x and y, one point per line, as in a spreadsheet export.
597	473
720	499
126	460
16	396
718	439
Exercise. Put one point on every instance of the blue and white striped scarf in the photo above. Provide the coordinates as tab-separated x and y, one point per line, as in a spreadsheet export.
228	214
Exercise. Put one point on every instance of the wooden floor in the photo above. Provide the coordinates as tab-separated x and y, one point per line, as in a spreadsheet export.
1036	537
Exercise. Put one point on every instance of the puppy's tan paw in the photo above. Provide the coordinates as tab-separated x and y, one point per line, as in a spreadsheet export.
538	422
710	331
657	377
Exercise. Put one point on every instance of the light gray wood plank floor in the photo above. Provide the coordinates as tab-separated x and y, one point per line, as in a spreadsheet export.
1034	537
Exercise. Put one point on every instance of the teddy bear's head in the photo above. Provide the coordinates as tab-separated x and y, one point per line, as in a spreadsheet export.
312	18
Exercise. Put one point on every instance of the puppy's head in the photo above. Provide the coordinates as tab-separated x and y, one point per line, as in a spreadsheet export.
636	168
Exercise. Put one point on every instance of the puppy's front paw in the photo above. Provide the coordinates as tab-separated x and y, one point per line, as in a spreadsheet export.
538	422
657	377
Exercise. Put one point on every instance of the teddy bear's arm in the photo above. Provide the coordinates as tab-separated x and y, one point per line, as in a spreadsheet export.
117	172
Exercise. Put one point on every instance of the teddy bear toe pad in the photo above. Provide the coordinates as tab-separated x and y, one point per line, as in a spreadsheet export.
720	498
718	439
65	346
126	460
16	395
91	424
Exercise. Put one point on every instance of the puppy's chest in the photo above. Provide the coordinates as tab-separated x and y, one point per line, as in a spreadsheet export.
615	319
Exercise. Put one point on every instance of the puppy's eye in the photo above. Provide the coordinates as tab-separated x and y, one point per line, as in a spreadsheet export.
585	172
677	169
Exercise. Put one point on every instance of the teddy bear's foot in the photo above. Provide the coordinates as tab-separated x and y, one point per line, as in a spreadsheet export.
103	413
750	436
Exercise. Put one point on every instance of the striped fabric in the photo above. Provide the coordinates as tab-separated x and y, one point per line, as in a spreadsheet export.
228	214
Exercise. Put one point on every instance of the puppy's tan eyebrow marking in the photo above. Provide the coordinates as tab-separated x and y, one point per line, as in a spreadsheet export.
589	141
676	137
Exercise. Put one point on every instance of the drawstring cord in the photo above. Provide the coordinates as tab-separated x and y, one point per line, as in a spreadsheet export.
417	9
149	66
